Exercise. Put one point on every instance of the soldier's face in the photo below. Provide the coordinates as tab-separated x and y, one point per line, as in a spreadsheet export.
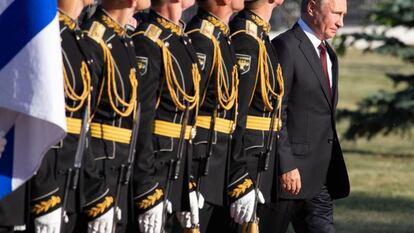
237	5
328	18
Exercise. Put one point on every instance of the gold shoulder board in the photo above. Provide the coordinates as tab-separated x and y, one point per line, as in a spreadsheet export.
96	31
153	32
251	28
207	28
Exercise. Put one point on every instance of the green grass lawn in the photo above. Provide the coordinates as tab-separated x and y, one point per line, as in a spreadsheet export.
382	169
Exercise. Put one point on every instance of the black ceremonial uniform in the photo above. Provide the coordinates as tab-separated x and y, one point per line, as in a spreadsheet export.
218	106
48	186
170	76
260	89
112	122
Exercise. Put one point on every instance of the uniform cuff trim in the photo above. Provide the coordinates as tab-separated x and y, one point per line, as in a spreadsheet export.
241	188
147	202
46	205
99	208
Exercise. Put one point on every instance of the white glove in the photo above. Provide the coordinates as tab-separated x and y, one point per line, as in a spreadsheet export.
3	142
103	224
151	220
242	209
189	219
49	223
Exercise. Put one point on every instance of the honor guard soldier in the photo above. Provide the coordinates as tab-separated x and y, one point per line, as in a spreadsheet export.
260	98
115	121
170	91
67	187
217	116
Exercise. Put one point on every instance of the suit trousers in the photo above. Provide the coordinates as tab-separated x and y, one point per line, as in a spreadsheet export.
313	215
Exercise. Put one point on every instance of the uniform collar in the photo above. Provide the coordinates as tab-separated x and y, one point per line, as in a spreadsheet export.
66	20
215	21
167	24
112	23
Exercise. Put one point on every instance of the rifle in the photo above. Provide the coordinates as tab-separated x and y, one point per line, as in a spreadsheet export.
203	167
125	170
264	158
175	166
72	176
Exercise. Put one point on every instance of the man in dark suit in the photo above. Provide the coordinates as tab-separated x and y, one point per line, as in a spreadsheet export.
312	169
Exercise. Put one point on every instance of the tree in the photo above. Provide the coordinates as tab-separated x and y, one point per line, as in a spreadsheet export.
384	112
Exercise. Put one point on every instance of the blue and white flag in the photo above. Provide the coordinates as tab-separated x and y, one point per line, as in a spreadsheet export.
32	111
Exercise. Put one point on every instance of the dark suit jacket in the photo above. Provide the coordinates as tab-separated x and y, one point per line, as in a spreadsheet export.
308	139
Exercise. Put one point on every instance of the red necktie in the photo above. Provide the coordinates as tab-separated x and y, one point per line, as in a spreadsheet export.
322	51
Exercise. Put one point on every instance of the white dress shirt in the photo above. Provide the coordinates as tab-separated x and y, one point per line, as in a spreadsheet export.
316	42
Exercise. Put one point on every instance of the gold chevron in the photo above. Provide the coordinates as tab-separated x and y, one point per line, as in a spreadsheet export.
150	200
241	188
44	206
100	207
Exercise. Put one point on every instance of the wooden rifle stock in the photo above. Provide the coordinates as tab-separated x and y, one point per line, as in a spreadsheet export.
250	227
191	230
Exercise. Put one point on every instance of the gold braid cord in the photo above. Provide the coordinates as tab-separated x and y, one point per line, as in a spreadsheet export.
229	98
112	88
173	84
263	74
70	92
